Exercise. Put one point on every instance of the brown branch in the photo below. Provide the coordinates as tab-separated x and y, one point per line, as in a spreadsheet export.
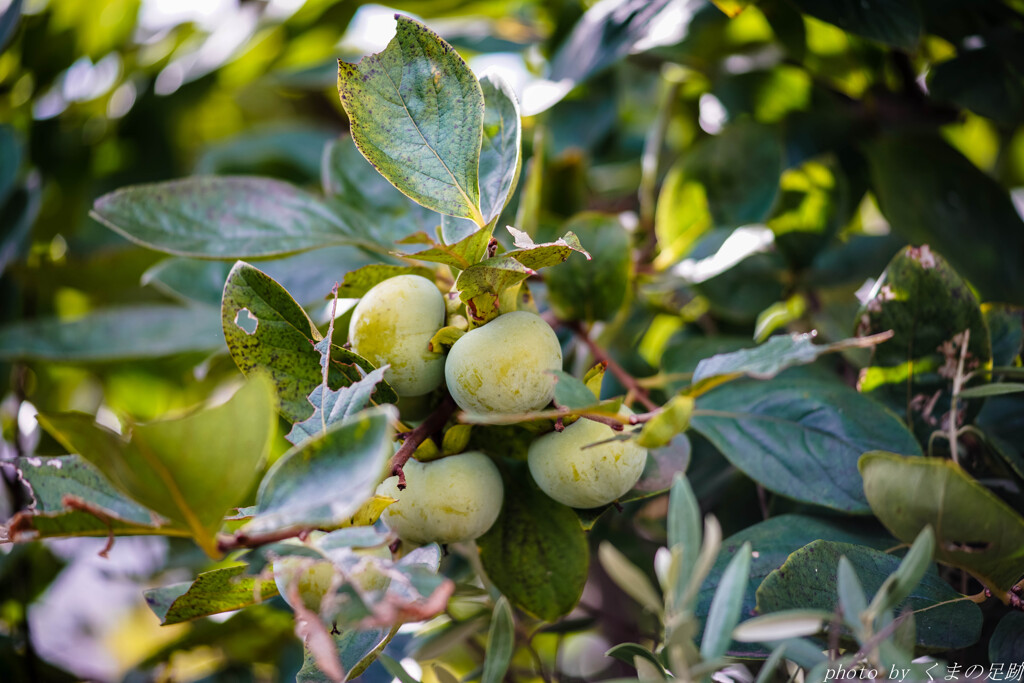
610	421
243	540
620	373
412	439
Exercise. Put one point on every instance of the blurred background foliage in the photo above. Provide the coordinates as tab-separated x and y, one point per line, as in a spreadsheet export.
842	130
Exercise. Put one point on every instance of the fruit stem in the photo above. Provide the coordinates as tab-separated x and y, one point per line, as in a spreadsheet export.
600	355
412	439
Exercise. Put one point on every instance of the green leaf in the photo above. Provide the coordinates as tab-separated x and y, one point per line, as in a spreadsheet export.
268	332
774	540
604	34
538	256
933	195
1007	642
501	641
395	669
481	284
9	19
891	22
358	282
684	525
212	592
373	207
672	419
460	255
974	530
307	276
628	652
325	479
983	80
113	334
72	499
629	577
353	646
1006	331
445	338
808	580
191	470
682	216
416	113
572	393
289	152
501	150
997	389
791	623
593	289
225	217
536	553
52	478
926	305
768	359
800	437
912	568
331	406
739	169
726	605
851	596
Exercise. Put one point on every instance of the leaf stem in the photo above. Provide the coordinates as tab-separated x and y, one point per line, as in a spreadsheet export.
599	354
412	439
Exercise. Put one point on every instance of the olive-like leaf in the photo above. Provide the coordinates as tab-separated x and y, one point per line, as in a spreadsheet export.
213	592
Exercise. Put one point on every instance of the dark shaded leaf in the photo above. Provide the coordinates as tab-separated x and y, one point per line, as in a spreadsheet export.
224	217
891	22
800	437
932	195
114	334
536	553
808	580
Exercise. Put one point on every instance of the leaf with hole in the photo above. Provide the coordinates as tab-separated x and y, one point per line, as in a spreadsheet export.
974	530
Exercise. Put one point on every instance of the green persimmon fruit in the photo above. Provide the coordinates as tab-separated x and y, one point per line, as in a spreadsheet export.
393	324
580	477
503	366
453	499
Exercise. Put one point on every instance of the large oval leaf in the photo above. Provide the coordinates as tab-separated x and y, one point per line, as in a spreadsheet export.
772	541
800	437
416	112
808	580
536	553
932	195
190	470
114	334
321	482
974	530
222	217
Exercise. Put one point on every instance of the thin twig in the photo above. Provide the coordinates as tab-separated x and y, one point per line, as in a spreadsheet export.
75	503
620	373
413	438
243	540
